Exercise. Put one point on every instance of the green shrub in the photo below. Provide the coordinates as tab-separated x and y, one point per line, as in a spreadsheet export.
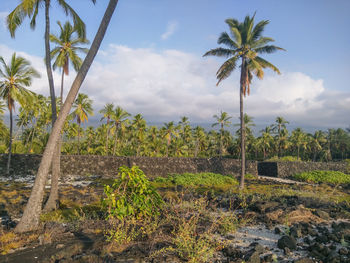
130	204
197	180
333	177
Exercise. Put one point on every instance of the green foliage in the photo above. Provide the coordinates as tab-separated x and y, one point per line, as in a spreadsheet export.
333	177
283	159
131	205
131	195
198	180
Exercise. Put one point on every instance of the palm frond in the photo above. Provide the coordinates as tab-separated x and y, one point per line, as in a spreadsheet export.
220	52
259	29
268	49
15	19
226	40
226	69
78	23
265	64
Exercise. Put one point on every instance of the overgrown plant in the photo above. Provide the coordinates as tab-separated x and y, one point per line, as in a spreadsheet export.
130	201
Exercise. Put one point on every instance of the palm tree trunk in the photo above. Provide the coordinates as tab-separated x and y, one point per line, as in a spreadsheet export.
10	144
241	185
53	201
79	138
115	139
107	136
32	211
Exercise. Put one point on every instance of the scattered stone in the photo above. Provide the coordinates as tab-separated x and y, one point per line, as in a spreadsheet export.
286	251
304	260
322	214
343	251
287	241
277	231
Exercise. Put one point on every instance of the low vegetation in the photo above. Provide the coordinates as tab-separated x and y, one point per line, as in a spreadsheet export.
332	177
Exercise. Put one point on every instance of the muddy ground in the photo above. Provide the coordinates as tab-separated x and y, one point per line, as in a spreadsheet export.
270	222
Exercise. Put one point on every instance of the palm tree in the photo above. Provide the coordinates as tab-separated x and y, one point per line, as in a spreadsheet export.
169	131
245	43
65	51
32	211
223	121
107	113
14	78
82	108
139	124
278	127
3	128
119	116
298	138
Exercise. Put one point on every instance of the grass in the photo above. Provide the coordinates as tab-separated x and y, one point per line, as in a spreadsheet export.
332	177
199	180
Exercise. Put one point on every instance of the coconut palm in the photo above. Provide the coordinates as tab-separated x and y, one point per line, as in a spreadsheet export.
66	50
32	211
15	76
278	128
245	44
169	132
223	121
119	117
82	109
107	113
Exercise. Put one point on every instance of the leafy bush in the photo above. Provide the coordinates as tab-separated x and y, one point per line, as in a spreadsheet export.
199	179
333	177
128	203
283	159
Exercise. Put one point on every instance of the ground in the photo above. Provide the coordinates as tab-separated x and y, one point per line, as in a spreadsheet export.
271	221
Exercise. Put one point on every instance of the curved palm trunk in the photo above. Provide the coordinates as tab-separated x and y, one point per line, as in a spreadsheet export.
32	211
10	144
53	201
242	81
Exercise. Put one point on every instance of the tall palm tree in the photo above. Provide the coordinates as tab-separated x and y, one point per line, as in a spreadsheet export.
119	116
14	78
64	53
245	43
223	121
3	128
107	113
82	109
278	127
32	211
65	50
169	131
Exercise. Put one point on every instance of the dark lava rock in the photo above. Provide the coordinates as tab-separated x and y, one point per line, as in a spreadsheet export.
277	231
252	257
261	207
304	260
332	257
343	251
232	252
287	241
295	232
322	239
322	214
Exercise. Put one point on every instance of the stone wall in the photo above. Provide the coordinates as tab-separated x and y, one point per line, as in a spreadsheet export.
107	166
288	169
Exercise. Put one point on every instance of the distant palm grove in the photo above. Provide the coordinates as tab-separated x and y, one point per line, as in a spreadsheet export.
121	134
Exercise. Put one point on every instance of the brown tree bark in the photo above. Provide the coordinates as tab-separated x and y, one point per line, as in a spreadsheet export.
32	211
242	83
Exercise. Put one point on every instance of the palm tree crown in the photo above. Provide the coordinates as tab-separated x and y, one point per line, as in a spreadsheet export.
245	43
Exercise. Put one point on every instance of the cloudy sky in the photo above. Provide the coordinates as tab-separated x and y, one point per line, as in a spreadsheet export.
151	59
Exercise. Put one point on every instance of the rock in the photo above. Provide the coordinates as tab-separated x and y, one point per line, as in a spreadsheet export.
322	239
261	207
270	258
343	251
332	256
275	216
295	232
304	260
322	214
286	251
311	231
287	241
231	251
252	257
277	231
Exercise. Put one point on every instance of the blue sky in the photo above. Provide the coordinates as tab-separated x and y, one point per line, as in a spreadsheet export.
151	59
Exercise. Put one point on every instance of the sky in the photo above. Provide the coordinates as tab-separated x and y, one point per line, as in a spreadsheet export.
151	60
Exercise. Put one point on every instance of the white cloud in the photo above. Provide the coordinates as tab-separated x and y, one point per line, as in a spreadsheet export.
170	30
165	85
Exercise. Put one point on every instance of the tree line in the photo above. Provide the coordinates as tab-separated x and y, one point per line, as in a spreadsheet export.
121	134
